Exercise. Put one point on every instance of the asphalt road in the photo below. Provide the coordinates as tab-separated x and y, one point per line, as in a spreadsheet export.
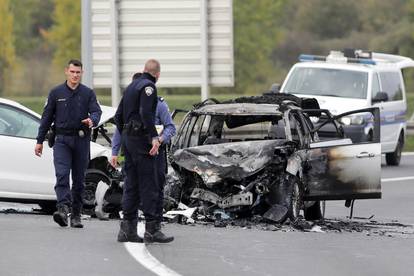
379	240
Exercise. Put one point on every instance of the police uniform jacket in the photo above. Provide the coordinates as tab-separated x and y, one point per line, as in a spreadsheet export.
162	117
139	104
67	108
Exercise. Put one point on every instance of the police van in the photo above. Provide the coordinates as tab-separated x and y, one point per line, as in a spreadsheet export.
355	79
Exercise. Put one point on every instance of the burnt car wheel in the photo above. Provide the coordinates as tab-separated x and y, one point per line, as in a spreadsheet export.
91	182
313	212
394	158
295	199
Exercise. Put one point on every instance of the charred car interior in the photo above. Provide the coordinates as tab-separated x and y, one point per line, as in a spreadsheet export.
268	156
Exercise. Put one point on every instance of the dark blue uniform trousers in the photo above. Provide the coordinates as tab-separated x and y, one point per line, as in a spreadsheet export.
70	153
141	187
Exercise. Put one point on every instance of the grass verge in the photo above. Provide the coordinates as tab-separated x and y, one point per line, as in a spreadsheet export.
409	143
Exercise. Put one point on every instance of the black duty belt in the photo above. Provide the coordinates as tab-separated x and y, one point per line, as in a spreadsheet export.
72	132
135	128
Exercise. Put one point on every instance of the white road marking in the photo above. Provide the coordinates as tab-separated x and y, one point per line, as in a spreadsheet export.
407	153
141	254
397	179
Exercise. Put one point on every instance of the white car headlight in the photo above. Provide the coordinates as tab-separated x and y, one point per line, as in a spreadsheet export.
314	119
345	120
352	120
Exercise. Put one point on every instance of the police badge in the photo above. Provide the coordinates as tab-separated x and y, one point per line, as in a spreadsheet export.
81	133
149	90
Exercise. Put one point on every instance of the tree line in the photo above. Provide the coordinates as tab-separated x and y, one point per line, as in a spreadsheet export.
37	37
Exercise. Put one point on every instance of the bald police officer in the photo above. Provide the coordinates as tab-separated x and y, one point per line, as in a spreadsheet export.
164	121
135	119
74	110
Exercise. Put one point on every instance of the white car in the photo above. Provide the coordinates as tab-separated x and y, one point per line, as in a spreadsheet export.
24	177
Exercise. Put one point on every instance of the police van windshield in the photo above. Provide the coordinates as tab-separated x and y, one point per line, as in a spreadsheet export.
328	82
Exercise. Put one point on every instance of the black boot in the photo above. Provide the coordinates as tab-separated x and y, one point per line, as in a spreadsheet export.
61	215
75	218
128	231
75	221
153	233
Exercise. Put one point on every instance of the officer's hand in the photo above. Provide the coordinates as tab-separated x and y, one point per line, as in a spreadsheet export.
155	146
114	161
39	149
87	122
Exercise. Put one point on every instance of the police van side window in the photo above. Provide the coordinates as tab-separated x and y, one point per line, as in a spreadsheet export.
391	84
375	85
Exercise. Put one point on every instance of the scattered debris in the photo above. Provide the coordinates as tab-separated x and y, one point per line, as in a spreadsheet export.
15	208
183	214
101	190
363	226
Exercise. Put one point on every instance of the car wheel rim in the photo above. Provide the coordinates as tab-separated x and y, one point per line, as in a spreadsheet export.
89	194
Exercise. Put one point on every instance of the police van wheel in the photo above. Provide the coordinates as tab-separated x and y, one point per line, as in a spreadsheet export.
91	182
394	158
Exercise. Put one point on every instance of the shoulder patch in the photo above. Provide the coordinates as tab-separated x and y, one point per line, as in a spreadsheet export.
149	90
161	99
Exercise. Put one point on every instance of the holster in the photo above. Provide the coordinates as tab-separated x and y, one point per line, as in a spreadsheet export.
51	135
134	128
86	131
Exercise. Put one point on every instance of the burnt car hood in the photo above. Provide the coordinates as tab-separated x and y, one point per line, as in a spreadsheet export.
238	160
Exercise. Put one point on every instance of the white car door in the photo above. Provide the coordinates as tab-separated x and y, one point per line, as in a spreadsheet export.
22	174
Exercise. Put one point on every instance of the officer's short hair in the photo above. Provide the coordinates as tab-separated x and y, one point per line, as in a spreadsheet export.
75	62
152	66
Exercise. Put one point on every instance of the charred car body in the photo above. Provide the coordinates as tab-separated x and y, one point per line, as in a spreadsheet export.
264	156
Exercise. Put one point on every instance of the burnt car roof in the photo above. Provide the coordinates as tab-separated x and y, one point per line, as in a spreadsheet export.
239	109
266	104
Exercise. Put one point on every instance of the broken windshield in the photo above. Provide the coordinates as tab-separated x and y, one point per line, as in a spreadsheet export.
328	82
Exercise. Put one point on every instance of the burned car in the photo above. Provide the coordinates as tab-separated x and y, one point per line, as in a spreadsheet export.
267	156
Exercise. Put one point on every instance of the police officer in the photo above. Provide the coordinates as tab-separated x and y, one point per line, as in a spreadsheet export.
73	109
164	121
135	119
